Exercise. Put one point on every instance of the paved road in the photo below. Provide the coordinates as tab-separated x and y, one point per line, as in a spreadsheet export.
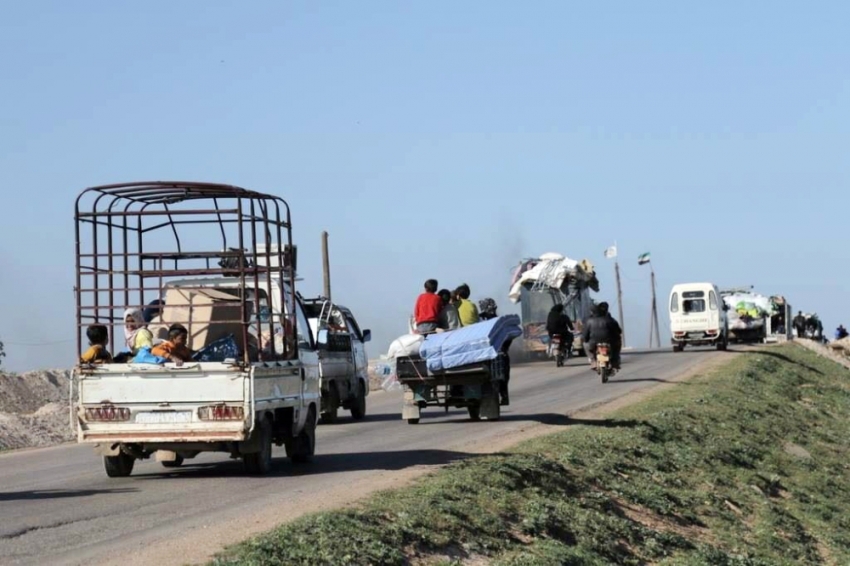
58	507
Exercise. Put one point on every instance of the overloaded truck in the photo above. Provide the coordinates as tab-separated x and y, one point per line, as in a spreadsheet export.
219	261
540	283
753	317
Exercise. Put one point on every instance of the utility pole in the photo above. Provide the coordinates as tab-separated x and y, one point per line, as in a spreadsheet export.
326	266
654	312
612	253
620	300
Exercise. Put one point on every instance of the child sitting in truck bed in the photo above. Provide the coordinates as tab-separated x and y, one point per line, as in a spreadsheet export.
97	352
174	349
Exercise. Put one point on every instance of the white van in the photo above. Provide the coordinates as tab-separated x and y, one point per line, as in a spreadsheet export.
697	316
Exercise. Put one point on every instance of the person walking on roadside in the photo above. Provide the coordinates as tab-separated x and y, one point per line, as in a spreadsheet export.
800	324
840	332
426	313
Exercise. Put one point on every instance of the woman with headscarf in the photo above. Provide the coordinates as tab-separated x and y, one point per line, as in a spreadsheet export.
136	333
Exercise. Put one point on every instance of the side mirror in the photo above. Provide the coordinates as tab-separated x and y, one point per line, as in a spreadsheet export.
367	335
322	338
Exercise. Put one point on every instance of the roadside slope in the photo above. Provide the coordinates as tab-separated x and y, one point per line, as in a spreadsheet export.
747	465
34	409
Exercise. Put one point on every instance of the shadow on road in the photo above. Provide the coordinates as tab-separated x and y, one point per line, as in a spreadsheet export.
615	381
59	493
321	464
370	418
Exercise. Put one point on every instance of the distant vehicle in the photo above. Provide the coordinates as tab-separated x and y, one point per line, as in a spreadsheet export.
698	316
343	363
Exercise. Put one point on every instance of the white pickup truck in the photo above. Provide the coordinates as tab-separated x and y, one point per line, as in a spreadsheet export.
132	410
253	379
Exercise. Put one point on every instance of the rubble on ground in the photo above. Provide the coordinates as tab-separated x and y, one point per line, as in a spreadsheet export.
34	409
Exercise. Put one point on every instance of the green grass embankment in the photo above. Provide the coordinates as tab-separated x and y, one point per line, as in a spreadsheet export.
747	465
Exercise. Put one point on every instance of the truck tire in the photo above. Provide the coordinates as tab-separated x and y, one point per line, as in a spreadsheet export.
474	412
176	463
260	463
301	448
679	347
412	421
358	409
329	412
119	466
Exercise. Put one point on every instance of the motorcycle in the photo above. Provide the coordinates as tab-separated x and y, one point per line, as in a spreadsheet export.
603	362
557	350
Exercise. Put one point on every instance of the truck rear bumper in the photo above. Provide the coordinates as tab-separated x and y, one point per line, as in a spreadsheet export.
163	436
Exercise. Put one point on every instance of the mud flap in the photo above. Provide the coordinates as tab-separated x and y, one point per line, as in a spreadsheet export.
490	407
410	409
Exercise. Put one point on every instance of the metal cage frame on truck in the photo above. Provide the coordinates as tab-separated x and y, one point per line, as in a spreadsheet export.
118	229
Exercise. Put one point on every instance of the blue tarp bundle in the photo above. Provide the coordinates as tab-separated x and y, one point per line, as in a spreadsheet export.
471	344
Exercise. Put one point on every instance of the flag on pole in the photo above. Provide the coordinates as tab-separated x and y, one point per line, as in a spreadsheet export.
611	252
643	258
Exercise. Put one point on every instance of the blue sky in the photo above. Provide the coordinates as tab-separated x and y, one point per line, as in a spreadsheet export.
440	139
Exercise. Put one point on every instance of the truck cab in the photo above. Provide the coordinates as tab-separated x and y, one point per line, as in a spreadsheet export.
697	316
343	362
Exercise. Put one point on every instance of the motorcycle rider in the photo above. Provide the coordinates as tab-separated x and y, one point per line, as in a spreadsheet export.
602	327
559	323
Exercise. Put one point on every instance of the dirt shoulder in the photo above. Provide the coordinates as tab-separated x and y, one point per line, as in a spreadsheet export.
34	409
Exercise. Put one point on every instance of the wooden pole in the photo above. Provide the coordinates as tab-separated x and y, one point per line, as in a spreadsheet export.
326	266
654	312
620	301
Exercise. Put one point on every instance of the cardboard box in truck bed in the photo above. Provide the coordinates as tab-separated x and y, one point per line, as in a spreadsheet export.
208	315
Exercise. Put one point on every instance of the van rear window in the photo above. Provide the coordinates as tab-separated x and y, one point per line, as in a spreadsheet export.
693	305
693	294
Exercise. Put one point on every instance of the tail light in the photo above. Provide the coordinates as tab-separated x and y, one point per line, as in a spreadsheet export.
603	350
108	413
221	413
711	332
678	334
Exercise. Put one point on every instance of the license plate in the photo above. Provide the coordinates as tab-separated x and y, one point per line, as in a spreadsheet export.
164	417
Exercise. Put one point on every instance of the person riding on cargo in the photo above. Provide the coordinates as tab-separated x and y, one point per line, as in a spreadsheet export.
174	349
98	339
601	327
465	308
557	322
487	309
449	318
426	313
136	333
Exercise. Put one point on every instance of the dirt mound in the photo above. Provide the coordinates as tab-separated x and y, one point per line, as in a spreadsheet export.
34	409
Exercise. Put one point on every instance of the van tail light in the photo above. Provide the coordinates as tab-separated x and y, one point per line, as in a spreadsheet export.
107	414
711	332
221	413
679	334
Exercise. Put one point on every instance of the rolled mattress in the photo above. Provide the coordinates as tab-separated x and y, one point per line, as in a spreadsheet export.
471	344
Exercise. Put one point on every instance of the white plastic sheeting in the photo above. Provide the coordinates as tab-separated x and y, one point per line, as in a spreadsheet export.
552	270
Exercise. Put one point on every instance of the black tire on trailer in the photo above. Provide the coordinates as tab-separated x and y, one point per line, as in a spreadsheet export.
119	466
474	412
302	448
604	372
358	409
260	463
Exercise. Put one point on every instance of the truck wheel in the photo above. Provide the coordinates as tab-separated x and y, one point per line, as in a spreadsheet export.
412	421
474	412
260	462
329	412
119	466
301	449
358	409
176	463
